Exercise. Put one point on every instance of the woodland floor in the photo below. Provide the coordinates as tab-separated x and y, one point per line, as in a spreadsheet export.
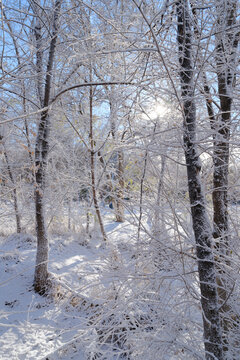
98	308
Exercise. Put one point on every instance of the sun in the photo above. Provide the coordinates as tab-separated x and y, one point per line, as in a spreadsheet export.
156	110
160	109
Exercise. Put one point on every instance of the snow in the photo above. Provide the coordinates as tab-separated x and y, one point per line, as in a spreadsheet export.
105	303
32	326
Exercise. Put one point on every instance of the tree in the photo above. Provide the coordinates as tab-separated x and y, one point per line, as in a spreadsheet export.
219	108
42	146
95	81
201	225
14	185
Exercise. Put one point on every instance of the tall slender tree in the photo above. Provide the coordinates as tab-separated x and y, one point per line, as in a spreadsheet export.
226	42
201	225
42	147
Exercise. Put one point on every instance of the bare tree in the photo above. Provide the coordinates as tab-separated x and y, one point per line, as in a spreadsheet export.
201	225
41	150
92	159
226	42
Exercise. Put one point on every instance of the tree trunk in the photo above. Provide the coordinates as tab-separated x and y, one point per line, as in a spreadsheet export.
201	225
227	39
226	46
15	199
120	189
69	203
117	199
92	161
41	153
156	218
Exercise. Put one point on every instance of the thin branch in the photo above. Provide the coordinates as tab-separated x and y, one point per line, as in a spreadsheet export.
102	83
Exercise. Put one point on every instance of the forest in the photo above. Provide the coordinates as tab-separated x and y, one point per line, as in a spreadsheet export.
119	180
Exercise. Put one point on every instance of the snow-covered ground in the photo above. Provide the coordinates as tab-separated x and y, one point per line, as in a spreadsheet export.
35	327
106	304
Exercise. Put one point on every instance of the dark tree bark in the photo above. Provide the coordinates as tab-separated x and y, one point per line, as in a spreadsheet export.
227	38
201	225
226	45
41	153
